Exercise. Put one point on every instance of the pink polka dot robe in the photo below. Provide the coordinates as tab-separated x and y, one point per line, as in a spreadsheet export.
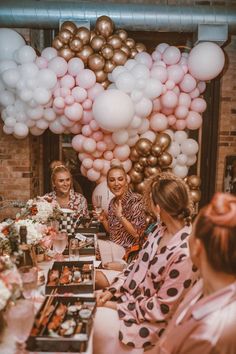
150	289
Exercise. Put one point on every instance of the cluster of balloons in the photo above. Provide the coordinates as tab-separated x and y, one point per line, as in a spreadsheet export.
101	49
194	183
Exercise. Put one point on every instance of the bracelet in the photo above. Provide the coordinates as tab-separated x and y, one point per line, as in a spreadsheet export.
122	217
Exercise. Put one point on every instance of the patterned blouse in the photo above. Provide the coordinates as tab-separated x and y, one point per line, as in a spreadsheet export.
150	289
133	209
76	202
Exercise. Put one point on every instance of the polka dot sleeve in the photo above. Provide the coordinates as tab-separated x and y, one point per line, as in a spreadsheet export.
116	286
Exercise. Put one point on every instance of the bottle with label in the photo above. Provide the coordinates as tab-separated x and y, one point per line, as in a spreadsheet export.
26	253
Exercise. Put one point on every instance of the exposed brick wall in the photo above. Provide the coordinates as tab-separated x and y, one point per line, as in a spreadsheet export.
227	126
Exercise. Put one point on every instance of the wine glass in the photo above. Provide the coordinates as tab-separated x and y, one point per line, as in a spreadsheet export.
59	244
98	205
29	277
74	249
20	319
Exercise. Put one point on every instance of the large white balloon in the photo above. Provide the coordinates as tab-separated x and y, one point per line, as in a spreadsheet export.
10	41
113	110
206	61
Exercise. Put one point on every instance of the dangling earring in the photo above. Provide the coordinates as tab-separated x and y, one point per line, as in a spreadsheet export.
158	218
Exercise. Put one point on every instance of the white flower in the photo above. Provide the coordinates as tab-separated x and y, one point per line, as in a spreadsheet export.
5	295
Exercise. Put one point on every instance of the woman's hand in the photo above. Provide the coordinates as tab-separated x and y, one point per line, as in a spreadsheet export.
103	297
100	216
119	266
118	209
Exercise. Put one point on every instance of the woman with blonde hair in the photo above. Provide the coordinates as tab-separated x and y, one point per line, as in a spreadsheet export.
206	321
133	312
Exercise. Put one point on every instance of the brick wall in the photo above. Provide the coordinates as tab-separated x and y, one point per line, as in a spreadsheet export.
227	126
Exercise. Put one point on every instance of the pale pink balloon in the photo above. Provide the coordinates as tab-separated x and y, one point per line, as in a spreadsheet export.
74	66
162	47
127	164
169	99
69	100
180	124
83	171
108	141
97	135
144	126
58	111
156	55
76	128
185	68
96	154
144	58
93	175
170	84
87	163
198	105
193	120
41	63
84	155
94	91
201	86
106	167
89	145
101	146
171	119
58	65
56	127
86	78
176	90
66	122
86	130
94	125
159	72
57	92
158	122
181	112
77	142
87	104
150	135
171	55
108	155
87	117
156	105
65	91
49	53
160	63
195	93
74	112
188	83
175	73
98	164
79	93
59	102
167	111
184	100
143	108
67	81
122	152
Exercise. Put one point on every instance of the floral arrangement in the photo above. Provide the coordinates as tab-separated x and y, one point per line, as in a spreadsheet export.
35	230
40	210
5	244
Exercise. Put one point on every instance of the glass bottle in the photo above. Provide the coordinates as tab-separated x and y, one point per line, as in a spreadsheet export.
26	253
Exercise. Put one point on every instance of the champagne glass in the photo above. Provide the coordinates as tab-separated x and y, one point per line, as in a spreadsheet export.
74	249
59	244
98	205
29	277
20	319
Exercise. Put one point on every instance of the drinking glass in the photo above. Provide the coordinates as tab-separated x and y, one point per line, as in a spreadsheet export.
98	204
74	249
20	318
59	244
29	277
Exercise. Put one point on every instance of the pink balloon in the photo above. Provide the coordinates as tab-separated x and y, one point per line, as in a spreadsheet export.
49	53
74	112
144	58
87	117
87	104
127	164
41	63
69	100
108	155
67	81
188	83
93	175
57	92
77	142
86	130
195	93
180	124
87	163
98	164
76	128
84	155
171	120
181	112
94	125
122	152
159	72
193	120
156	55
176	90
175	73
184	100
65	91
170	84
156	105
162	47
59	102
108	141
89	145
86	78
201	86
96	154
171	55
101	146
58	65
169	99
167	111
74	66
106	167
79	93
94	91
198	105
83	171
158	122
97	136
66	122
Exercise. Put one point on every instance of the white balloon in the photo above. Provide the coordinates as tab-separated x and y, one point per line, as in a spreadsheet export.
35	113
144	126
174	149
10	41
140	71
191	159
136	122
25	95
150	135
47	78
21	130
36	131
189	147
30	123
117	71
113	110
130	64
29	70
180	136
7	130
26	54
120	137
6	98
10	77
42	124
180	171
125	82
7	64
182	159
42	95
136	95
144	107
49	114
153	88
56	127
49	53
10	122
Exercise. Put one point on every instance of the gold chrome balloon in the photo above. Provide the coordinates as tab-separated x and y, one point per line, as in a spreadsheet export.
165	159
163	140
137	167
97	43
65	36
140	47
85	52
57	43
107	51
109	66
83	34
76	44
105	26
125	49
194	181
133	52
96	62
156	150
152	160
143	161
134	155
151	171
143	146
101	76
69	25
66	53
119	57
122	34
195	195
130	42
140	187
136	177
114	41
105	84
